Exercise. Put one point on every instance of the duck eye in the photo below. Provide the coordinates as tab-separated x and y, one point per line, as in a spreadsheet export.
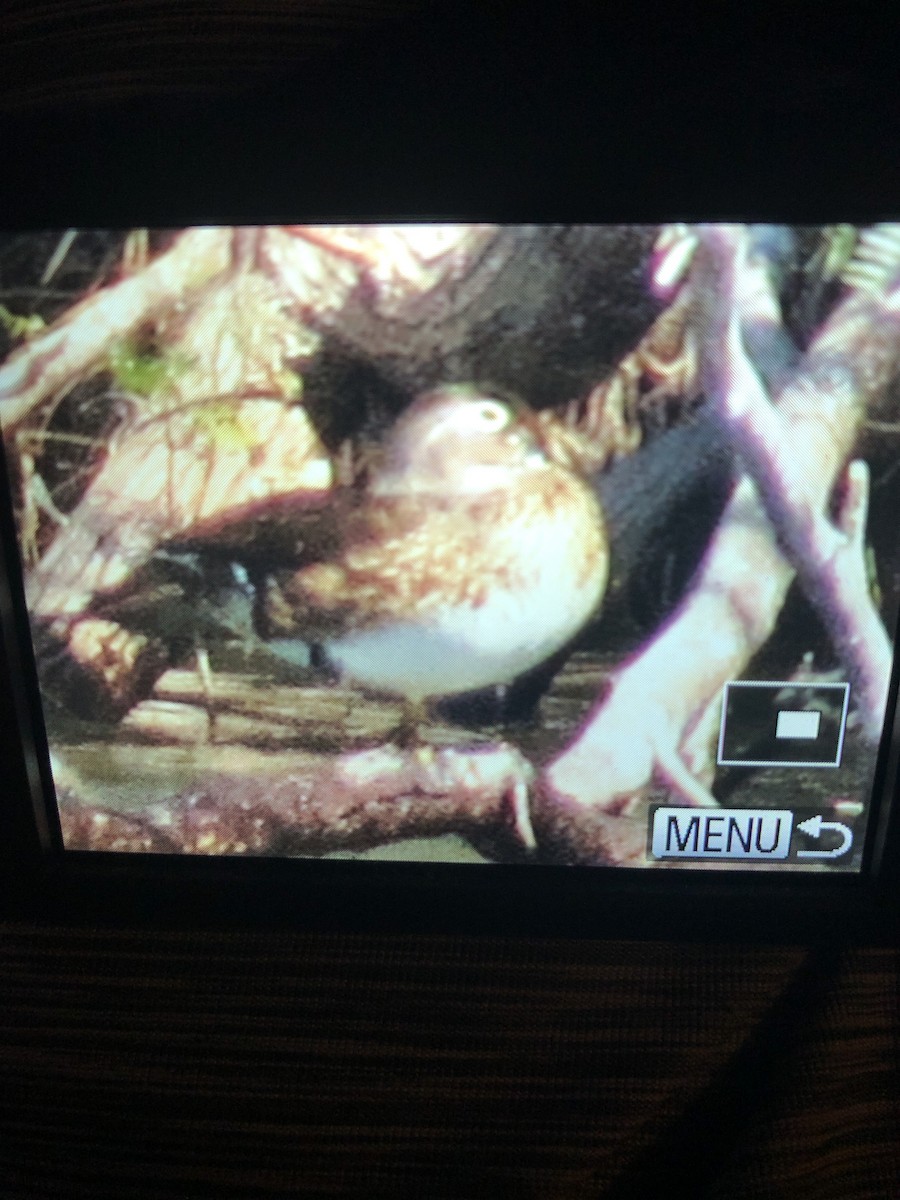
492	416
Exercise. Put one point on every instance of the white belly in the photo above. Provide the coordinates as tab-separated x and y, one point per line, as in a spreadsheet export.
468	647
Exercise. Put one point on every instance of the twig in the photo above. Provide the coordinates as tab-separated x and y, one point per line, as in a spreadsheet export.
357	801
662	703
828	556
78	343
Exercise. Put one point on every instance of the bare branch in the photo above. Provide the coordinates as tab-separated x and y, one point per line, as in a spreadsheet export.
170	475
357	801
79	342
663	703
795	491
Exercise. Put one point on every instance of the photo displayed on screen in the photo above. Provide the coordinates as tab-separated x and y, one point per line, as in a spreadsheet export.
460	543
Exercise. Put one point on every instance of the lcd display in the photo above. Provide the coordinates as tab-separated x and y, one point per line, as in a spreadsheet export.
460	542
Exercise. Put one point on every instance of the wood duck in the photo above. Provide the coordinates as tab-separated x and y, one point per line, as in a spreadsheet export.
471	559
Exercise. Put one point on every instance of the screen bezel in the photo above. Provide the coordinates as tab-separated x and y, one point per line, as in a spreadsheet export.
236	164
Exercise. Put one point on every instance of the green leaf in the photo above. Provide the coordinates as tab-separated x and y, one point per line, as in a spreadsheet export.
21	327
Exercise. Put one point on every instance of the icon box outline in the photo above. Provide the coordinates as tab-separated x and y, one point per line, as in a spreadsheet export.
781	683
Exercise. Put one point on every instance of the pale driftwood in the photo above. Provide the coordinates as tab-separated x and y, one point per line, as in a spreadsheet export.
360	800
795	457
169	476
317	271
665	702
427	303
80	341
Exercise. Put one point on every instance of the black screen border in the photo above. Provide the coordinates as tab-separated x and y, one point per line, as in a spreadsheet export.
613	157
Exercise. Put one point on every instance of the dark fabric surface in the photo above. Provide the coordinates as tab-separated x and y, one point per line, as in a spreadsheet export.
94	52
276	1064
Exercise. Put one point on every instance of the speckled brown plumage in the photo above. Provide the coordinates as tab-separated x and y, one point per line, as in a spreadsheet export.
405	562
470	542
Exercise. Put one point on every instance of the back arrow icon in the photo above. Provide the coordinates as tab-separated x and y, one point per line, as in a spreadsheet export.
814	827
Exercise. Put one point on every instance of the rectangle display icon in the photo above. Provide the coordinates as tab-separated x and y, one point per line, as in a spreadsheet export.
801	726
782	723
752	834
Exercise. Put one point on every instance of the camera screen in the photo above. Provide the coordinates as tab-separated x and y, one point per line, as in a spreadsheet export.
469	543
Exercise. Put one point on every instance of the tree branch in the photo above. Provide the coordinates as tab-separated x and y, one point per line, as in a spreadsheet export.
829	556
357	801
79	343
664	703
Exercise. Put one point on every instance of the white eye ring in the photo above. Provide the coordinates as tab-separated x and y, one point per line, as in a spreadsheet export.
490	414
